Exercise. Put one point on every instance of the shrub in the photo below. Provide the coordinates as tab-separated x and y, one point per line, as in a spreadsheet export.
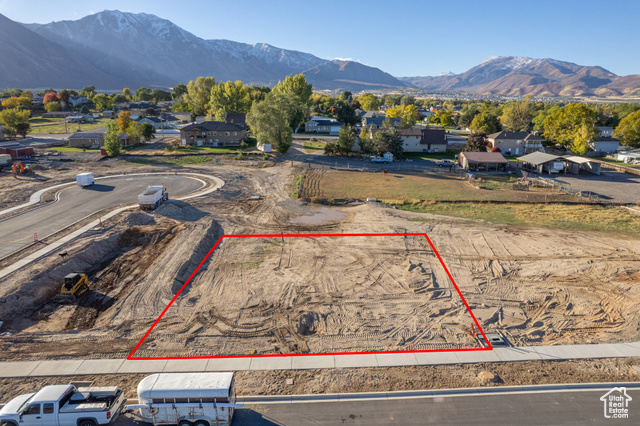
239	156
265	157
244	145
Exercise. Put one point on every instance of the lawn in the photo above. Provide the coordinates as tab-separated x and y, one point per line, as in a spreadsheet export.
424	186
76	149
209	149
42	120
432	156
100	123
553	216
310	146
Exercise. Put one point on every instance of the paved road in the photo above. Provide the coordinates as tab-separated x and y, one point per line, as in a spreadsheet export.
565	407
76	203
611	185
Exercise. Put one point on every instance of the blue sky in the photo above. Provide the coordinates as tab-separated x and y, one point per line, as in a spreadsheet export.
404	38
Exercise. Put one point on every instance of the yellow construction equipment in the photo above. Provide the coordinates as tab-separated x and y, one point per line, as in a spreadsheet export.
74	285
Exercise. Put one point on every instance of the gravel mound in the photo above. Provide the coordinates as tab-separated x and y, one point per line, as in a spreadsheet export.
138	219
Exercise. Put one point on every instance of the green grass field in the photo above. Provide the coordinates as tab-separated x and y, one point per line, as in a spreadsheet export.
159	160
310	146
100	123
432	156
425	186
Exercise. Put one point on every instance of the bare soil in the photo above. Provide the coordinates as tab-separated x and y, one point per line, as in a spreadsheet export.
534	286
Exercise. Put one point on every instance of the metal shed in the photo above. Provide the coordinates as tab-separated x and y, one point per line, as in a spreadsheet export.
577	164
542	162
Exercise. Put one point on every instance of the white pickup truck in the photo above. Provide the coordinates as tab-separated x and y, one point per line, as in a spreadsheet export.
64	405
152	197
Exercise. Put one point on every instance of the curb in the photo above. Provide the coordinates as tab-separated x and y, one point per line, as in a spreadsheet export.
436	393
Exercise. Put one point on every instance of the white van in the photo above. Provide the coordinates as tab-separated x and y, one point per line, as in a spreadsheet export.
187	399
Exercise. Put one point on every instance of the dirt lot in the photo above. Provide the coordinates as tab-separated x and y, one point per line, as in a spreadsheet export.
378	379
305	295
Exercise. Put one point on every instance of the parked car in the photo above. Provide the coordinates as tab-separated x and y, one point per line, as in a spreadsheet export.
445	163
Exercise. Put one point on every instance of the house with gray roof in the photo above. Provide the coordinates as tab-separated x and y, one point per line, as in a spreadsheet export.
213	133
516	143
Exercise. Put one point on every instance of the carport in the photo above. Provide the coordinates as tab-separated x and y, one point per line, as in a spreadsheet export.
541	162
577	164
486	161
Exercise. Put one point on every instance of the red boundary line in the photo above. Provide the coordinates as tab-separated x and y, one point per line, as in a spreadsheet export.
131	357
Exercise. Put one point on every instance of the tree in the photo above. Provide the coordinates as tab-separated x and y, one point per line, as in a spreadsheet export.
572	126
538	120
446	119
467	116
229	97
628	131
178	91
199	94
159	95
346	96
391	100
119	99
297	85
274	119
134	131
258	93
347	115
346	139
517	116
22	102
477	142
180	106
124	119
88	89
390	140
143	94
22	129
408	113
84	110
64	96
369	102
127	93
112	139
50	97
52	106
364	140
485	122
407	100
12	118
103	102
147	131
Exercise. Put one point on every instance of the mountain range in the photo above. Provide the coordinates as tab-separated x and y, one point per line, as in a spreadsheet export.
519	76
113	49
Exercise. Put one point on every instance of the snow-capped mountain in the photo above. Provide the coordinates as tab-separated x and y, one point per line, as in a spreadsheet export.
143	49
511	75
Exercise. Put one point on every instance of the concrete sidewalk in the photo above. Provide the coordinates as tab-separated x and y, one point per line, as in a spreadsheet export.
121	366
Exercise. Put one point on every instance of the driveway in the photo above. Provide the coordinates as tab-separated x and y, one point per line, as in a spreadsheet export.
611	185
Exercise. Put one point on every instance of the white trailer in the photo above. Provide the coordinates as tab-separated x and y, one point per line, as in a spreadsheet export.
187	399
84	179
152	197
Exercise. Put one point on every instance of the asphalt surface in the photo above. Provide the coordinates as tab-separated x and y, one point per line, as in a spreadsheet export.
611	185
574	407
75	203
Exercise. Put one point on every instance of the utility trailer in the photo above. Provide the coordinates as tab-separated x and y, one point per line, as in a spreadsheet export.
152	197
187	399
64	405
85	179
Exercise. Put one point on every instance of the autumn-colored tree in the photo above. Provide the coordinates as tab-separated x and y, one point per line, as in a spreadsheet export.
199	94
50	97
229	97
485	122
517	116
22	102
123	121
369	102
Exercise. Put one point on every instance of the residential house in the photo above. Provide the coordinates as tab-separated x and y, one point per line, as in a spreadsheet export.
183	117
516	143
238	118
59	114
376	120
108	114
486	161
315	125
158	122
605	144
212	133
421	140
93	138
605	131
37	100
77	101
